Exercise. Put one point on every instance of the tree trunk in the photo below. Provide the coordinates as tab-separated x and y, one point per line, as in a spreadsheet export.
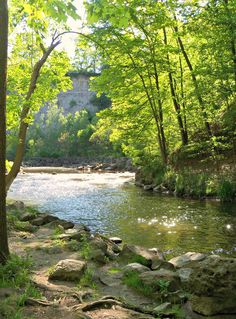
25	111
4	250
183	133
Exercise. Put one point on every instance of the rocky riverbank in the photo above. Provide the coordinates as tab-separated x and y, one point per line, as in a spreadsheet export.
68	165
83	275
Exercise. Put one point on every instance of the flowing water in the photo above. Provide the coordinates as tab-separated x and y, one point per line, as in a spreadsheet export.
108	203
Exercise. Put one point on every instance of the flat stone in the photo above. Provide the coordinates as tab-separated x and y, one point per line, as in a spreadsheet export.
135	267
183	260
69	270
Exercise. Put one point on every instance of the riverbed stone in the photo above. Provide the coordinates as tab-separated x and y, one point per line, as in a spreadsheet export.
138	254
151	278
188	258
68	270
135	267
43	219
213	286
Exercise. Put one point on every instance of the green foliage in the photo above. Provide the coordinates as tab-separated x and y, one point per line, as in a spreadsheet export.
140	260
69	134
226	190
16	272
73	245
85	249
87	279
133	280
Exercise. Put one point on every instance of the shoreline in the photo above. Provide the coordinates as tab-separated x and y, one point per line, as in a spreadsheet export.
68	259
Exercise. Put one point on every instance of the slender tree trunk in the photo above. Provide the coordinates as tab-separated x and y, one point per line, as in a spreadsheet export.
195	82
4	250
25	111
183	133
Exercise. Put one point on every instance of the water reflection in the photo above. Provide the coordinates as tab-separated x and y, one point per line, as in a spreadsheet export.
107	205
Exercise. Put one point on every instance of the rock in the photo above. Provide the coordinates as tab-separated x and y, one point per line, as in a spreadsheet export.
61	222
184	274
148	187
43	219
116	240
69	270
98	250
188	258
135	267
163	308
151	278
160	189
158	263
25	217
212	285
138	254
75	234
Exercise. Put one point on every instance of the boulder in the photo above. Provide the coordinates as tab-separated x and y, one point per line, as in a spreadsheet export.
139	254
135	267
156	277
186	259
69	270
43	219
213	286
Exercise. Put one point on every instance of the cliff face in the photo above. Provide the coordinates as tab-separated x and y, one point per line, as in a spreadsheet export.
80	96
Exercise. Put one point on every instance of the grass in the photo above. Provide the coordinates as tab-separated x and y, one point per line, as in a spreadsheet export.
16	274
133	280
88	279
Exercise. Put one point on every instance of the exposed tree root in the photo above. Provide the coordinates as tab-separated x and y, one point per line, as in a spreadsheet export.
39	302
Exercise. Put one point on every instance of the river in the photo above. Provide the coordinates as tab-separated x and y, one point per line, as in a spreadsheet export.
110	204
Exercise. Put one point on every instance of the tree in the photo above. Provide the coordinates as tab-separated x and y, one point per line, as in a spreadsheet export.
4	250
170	72
33	62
